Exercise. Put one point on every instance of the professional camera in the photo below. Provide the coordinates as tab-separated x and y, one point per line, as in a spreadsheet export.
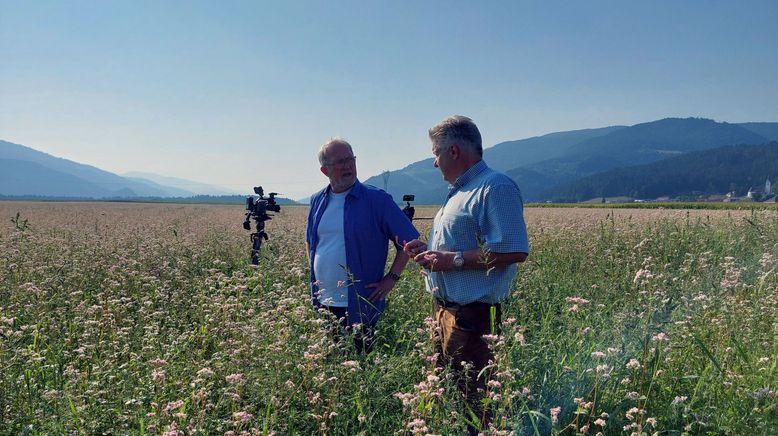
408	210
258	209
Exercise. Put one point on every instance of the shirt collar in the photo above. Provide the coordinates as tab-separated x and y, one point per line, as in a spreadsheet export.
470	174
355	189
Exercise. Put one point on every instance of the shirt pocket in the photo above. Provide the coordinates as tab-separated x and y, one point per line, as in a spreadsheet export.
455	232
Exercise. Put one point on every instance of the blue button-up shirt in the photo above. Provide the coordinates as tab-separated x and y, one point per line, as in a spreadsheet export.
484	209
370	219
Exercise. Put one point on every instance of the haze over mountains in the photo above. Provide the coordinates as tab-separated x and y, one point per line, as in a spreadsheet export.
543	165
28	172
667	157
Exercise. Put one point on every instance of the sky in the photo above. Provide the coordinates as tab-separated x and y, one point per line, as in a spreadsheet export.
243	93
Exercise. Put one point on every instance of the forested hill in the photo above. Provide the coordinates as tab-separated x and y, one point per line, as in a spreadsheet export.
715	171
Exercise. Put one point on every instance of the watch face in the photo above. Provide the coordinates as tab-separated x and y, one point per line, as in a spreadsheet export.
459	261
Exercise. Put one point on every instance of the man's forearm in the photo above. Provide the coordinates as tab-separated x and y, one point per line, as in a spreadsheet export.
400	260
478	259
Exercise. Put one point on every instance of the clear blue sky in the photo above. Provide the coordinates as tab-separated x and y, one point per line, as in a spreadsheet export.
242	93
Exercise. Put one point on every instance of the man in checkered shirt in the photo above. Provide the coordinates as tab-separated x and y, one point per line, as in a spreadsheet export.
476	239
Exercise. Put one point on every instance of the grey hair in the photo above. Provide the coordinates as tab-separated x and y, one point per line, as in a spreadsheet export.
330	143
457	129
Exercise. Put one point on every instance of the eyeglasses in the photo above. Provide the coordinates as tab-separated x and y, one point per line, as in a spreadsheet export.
342	162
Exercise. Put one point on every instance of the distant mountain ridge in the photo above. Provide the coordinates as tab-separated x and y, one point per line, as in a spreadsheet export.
180	185
559	159
732	168
27	172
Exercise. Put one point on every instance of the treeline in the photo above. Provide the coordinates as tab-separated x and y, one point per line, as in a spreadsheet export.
715	171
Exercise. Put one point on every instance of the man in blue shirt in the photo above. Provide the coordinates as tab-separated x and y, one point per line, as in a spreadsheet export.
476	239
349	227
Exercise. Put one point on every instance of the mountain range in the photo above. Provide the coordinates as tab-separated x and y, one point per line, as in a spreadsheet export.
667	157
547	165
28	172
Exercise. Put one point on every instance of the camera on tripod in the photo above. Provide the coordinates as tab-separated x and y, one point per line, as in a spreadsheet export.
409	210
258	210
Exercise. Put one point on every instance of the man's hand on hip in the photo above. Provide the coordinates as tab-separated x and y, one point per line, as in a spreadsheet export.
382	289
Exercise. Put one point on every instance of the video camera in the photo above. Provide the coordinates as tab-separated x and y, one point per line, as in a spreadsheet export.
258	210
409	210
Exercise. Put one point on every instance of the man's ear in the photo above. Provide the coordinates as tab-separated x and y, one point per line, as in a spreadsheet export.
324	171
456	152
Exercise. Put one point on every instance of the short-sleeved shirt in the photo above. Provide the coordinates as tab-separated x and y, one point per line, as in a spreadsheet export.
370	220
484	209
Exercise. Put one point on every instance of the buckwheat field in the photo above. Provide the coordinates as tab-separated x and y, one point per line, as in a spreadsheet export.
123	318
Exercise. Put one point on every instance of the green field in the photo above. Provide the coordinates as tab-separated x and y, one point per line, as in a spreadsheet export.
146	319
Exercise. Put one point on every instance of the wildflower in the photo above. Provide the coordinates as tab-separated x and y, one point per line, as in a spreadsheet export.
173	405
577	300
554	412
660	337
679	400
633	364
651	422
631	413
158	375
351	364
242	416
598	355
600	422
172	430
205	372
157	362
642	275
235	379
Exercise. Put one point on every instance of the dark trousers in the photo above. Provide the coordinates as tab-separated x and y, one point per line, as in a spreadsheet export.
460	340
363	337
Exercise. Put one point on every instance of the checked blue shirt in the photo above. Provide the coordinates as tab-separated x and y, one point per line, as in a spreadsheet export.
483	206
370	220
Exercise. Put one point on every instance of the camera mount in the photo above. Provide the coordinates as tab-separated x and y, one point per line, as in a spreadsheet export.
258	210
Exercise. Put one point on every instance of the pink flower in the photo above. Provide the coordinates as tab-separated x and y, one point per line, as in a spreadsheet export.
242	416
158	375
577	300
157	362
235	379
554	411
173	405
660	337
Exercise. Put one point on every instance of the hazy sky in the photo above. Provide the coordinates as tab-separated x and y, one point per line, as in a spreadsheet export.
243	93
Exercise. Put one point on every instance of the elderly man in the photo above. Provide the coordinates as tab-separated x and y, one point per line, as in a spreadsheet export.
349	228
476	239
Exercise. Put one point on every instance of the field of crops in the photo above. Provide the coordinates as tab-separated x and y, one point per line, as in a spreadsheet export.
146	319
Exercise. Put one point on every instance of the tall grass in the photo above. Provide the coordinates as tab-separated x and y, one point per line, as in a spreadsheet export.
147	319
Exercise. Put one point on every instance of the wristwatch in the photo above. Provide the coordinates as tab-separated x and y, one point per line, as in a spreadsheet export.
393	276
459	261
